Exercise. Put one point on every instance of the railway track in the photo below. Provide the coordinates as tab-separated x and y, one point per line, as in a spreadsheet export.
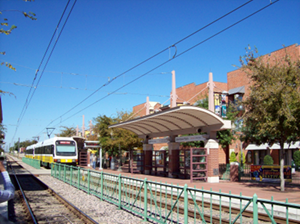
39	203
211	211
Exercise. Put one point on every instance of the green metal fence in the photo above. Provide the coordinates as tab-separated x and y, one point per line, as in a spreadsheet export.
32	162
165	203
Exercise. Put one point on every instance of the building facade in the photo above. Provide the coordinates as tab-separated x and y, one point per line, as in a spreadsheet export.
236	88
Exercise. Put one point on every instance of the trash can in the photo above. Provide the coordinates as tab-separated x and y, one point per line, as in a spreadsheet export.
113	164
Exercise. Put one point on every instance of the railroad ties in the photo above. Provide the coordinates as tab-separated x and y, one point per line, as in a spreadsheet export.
40	203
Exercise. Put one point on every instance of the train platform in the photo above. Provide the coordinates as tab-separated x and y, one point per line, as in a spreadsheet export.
263	190
30	169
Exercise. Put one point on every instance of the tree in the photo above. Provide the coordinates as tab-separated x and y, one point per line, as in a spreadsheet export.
272	110
23	144
101	128
232	157
2	135
111	140
297	159
8	31
67	132
125	138
268	160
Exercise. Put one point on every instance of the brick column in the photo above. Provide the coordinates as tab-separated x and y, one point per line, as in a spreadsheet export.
88	158
173	158
234	172
212	161
147	149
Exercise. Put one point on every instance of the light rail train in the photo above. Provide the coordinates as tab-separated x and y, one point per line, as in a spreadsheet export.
57	149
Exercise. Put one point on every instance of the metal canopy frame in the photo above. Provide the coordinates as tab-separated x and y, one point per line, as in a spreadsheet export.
175	121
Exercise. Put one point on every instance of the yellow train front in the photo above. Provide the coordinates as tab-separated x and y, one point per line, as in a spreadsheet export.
58	149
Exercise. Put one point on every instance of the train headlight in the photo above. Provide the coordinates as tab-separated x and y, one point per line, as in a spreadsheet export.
58	160
73	160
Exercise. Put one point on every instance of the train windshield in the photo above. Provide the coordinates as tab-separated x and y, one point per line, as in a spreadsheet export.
65	148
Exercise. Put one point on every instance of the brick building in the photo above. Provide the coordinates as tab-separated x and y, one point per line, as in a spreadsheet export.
237	87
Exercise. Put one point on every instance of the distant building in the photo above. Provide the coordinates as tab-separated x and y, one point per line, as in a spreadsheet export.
236	88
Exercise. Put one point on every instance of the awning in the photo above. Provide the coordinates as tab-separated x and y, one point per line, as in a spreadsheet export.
274	146
175	121
257	147
240	89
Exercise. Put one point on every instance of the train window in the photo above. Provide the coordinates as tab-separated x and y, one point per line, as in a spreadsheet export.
65	148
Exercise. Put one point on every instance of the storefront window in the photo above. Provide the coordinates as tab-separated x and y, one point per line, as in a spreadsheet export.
249	157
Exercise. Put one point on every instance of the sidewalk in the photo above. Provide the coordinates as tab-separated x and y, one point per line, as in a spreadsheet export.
263	190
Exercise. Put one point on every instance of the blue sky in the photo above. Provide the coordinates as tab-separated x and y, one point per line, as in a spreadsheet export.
102	39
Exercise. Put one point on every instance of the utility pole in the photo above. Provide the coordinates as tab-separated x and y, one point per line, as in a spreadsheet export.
147	106
174	96
18	147
77	130
211	93
83	126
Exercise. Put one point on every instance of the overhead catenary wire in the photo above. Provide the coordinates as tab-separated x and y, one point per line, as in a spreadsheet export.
28	100
212	36
153	56
37	70
75	88
76	74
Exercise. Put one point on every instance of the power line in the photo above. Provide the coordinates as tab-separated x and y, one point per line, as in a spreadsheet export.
75	88
37	70
77	74
176	56
153	56
27	102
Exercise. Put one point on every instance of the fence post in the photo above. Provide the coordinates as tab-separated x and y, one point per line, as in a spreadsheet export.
59	171
78	178
101	185
145	199
120	185
186	208
65	171
255	209
88	180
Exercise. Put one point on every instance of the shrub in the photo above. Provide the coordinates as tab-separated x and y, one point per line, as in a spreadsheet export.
240	156
268	160
297	158
232	157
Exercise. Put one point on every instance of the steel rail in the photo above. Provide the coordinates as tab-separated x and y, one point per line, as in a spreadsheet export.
64	201
23	194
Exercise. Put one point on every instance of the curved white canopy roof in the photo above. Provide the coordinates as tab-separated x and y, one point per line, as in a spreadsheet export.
175	121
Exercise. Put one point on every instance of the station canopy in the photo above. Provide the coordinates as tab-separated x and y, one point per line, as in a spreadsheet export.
175	121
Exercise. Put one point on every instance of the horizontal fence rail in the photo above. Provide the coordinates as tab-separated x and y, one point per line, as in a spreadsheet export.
32	162
165	203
